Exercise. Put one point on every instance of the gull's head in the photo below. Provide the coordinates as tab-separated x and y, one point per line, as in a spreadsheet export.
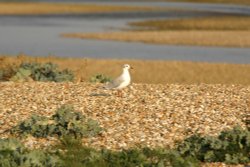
127	67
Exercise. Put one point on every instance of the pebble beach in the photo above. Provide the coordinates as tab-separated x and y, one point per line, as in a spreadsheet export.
145	115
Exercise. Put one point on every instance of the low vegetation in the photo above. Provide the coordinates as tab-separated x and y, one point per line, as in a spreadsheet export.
65	122
80	156
151	72
231	147
14	154
36	72
100	78
31	8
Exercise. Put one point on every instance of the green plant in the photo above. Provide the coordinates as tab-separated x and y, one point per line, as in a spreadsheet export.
80	156
231	147
13	154
100	78
247	121
75	123
64	122
37	126
6	72
1	74
168	157
41	72
77	155
22	74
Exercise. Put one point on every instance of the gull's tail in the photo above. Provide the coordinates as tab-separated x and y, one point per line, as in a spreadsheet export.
107	85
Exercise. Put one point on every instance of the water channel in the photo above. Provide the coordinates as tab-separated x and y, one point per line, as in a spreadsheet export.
40	35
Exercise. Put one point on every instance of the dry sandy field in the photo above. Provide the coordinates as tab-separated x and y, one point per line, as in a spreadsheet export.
145	71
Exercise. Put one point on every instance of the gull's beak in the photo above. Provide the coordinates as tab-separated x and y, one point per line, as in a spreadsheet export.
131	68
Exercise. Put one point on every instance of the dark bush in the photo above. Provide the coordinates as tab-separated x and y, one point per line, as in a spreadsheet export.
231	147
41	72
13	154
64	122
100	78
81	156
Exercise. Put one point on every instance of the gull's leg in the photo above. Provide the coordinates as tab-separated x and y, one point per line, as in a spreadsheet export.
119	93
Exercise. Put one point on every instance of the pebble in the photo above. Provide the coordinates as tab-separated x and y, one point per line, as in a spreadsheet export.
146	115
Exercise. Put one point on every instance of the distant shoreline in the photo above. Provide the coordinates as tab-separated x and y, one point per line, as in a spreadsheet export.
34	8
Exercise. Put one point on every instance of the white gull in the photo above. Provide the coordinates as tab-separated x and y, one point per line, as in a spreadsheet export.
122	81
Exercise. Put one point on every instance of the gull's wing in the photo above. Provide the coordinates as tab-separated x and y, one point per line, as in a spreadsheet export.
115	83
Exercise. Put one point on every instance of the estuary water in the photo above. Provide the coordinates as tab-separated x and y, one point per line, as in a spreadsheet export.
40	35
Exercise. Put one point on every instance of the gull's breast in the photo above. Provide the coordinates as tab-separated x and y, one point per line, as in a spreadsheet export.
123	84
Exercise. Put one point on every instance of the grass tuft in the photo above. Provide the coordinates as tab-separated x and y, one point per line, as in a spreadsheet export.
65	122
35	72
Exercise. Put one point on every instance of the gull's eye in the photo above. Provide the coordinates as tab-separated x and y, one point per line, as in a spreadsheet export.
126	66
